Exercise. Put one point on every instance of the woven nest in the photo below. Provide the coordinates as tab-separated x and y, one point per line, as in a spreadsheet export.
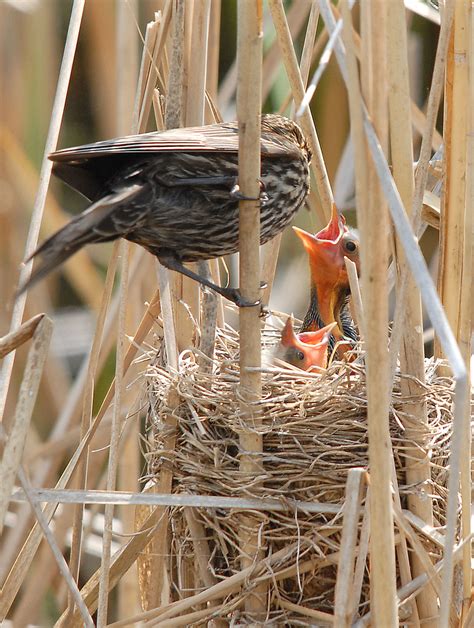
314	431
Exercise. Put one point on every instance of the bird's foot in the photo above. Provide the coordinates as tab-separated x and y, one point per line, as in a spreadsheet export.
234	295
237	195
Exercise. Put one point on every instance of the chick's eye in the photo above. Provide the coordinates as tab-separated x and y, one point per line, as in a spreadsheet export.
350	246
300	355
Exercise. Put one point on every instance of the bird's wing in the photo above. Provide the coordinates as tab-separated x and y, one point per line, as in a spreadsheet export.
212	138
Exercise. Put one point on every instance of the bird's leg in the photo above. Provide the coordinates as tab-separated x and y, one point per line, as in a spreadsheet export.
232	294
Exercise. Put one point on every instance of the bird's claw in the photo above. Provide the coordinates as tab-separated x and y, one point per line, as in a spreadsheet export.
237	195
234	295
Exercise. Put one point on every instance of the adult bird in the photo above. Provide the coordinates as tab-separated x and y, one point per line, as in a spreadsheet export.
305	350
176	193
330	290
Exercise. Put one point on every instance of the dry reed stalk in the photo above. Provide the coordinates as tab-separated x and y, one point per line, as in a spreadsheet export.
249	89
401	550
325	618
62	565
82	470
271	61
411	589
374	237
188	619
22	556
453	234
356	297
126	79
155	39
198	61
223	588
455	136
441	326
412	350
178	333
124	248
294	76
345	570
79	270
188	80
39	578
271	249
309	41
45	175
361	560
465	329
129	464
15	339
15	442
418	119
212	74
419	550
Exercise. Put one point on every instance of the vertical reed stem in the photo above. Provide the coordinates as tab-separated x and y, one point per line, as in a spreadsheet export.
249	84
412	352
374	246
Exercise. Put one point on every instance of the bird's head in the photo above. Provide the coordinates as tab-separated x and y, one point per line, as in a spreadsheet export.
328	248
305	350
329	279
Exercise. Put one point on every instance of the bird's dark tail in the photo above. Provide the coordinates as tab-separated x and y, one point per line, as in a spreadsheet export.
93	225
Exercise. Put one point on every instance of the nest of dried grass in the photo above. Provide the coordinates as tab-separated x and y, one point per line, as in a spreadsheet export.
314	431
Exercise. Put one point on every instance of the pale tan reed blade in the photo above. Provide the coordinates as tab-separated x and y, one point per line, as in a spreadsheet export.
318	166
412	349
324	618
361	560
249	89
402	551
79	269
198	60
374	237
18	337
149	69
350	528
23	555
356	297
62	565
117	420
465	331
296	18
271	249
411	589
82	471
128	65
422	554
308	46
261	570
13	449
45	175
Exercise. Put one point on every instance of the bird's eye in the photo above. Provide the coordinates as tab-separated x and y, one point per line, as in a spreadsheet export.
300	355
350	246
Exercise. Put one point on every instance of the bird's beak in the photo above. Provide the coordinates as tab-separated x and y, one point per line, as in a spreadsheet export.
324	244
319	337
334	229
288	336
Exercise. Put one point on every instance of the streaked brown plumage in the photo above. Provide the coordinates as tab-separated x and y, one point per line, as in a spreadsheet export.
175	193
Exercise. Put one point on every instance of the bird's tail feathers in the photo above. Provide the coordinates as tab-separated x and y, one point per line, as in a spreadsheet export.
83	229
